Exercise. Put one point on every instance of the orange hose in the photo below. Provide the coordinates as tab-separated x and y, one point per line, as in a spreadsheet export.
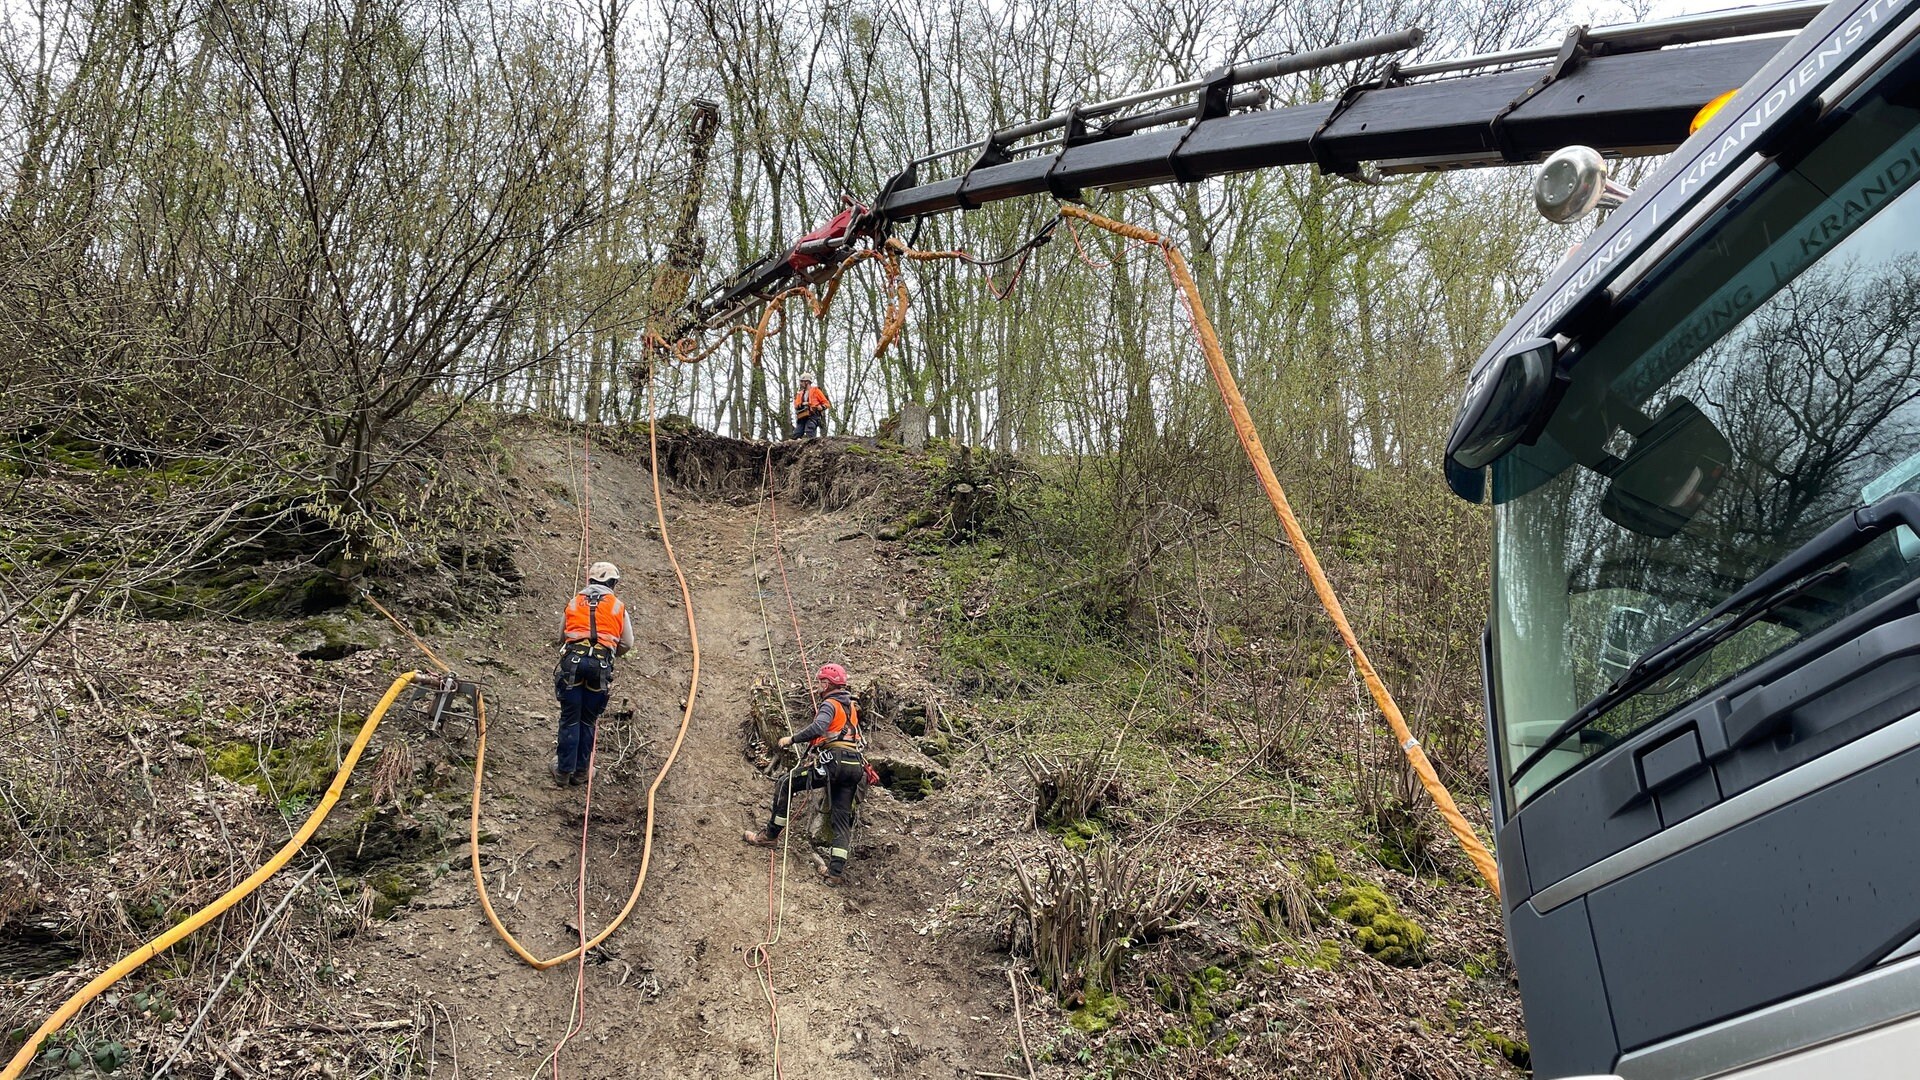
1263	467
133	960
773	320
673	752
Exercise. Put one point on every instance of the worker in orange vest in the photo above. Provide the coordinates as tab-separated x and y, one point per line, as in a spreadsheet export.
594	630
809	409
839	765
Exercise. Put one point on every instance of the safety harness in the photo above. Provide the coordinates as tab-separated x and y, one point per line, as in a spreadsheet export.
810	404
844	742
587	663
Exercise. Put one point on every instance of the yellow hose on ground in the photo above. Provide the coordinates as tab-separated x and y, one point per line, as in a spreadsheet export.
1257	456
132	961
686	717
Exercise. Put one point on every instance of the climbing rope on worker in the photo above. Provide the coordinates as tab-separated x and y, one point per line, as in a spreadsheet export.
836	761
660	776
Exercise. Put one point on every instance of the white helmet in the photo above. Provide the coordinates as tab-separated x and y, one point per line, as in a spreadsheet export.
603	573
809	379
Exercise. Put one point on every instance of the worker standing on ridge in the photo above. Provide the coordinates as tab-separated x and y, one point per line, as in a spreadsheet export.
809	410
839	765
593	631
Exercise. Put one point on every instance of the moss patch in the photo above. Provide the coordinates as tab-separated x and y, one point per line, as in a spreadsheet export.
1379	928
1322	869
1200	998
1322	957
1098	1012
297	771
1517	1053
1079	835
391	891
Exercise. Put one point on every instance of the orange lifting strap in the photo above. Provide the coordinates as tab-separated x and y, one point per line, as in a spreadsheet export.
1257	456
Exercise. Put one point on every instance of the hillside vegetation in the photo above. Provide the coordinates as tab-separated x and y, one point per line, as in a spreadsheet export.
1136	776
306	304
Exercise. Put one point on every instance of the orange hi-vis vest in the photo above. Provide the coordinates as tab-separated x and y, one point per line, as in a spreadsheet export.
845	727
812	398
602	621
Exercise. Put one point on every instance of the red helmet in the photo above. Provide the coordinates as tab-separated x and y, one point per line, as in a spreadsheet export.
834	674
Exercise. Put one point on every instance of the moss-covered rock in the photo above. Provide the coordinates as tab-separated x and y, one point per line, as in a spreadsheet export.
1378	927
331	637
391	890
906	779
938	748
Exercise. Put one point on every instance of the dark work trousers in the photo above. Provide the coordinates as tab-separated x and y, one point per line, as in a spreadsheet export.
809	427
580	708
842	779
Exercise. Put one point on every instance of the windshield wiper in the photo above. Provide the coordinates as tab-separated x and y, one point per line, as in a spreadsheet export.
1669	656
1785	580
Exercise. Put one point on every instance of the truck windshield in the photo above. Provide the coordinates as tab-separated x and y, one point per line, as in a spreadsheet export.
1758	383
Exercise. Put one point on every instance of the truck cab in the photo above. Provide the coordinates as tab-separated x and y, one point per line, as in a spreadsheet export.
1701	443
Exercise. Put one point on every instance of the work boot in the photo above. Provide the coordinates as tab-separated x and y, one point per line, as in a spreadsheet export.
580	777
559	778
828	875
756	838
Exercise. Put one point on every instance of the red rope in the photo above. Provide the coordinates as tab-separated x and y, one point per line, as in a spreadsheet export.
762	963
761	959
773	509
1000	294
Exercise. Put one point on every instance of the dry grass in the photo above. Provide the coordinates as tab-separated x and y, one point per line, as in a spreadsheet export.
392	775
113	826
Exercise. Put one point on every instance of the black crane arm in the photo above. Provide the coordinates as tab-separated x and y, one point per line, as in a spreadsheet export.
1622	90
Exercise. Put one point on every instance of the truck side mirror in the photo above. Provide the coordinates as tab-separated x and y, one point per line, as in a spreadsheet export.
1506	402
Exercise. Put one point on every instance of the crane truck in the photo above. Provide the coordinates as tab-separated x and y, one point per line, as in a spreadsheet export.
1700	440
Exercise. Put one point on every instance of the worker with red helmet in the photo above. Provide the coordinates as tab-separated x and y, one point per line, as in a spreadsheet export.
839	765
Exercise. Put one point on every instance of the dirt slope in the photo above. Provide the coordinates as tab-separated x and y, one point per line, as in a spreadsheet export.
865	991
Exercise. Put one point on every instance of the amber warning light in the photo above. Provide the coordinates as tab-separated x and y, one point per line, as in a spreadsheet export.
1710	110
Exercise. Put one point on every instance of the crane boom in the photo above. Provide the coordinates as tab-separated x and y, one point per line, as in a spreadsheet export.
1625	90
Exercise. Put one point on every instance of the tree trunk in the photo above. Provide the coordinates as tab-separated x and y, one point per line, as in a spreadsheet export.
915	421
